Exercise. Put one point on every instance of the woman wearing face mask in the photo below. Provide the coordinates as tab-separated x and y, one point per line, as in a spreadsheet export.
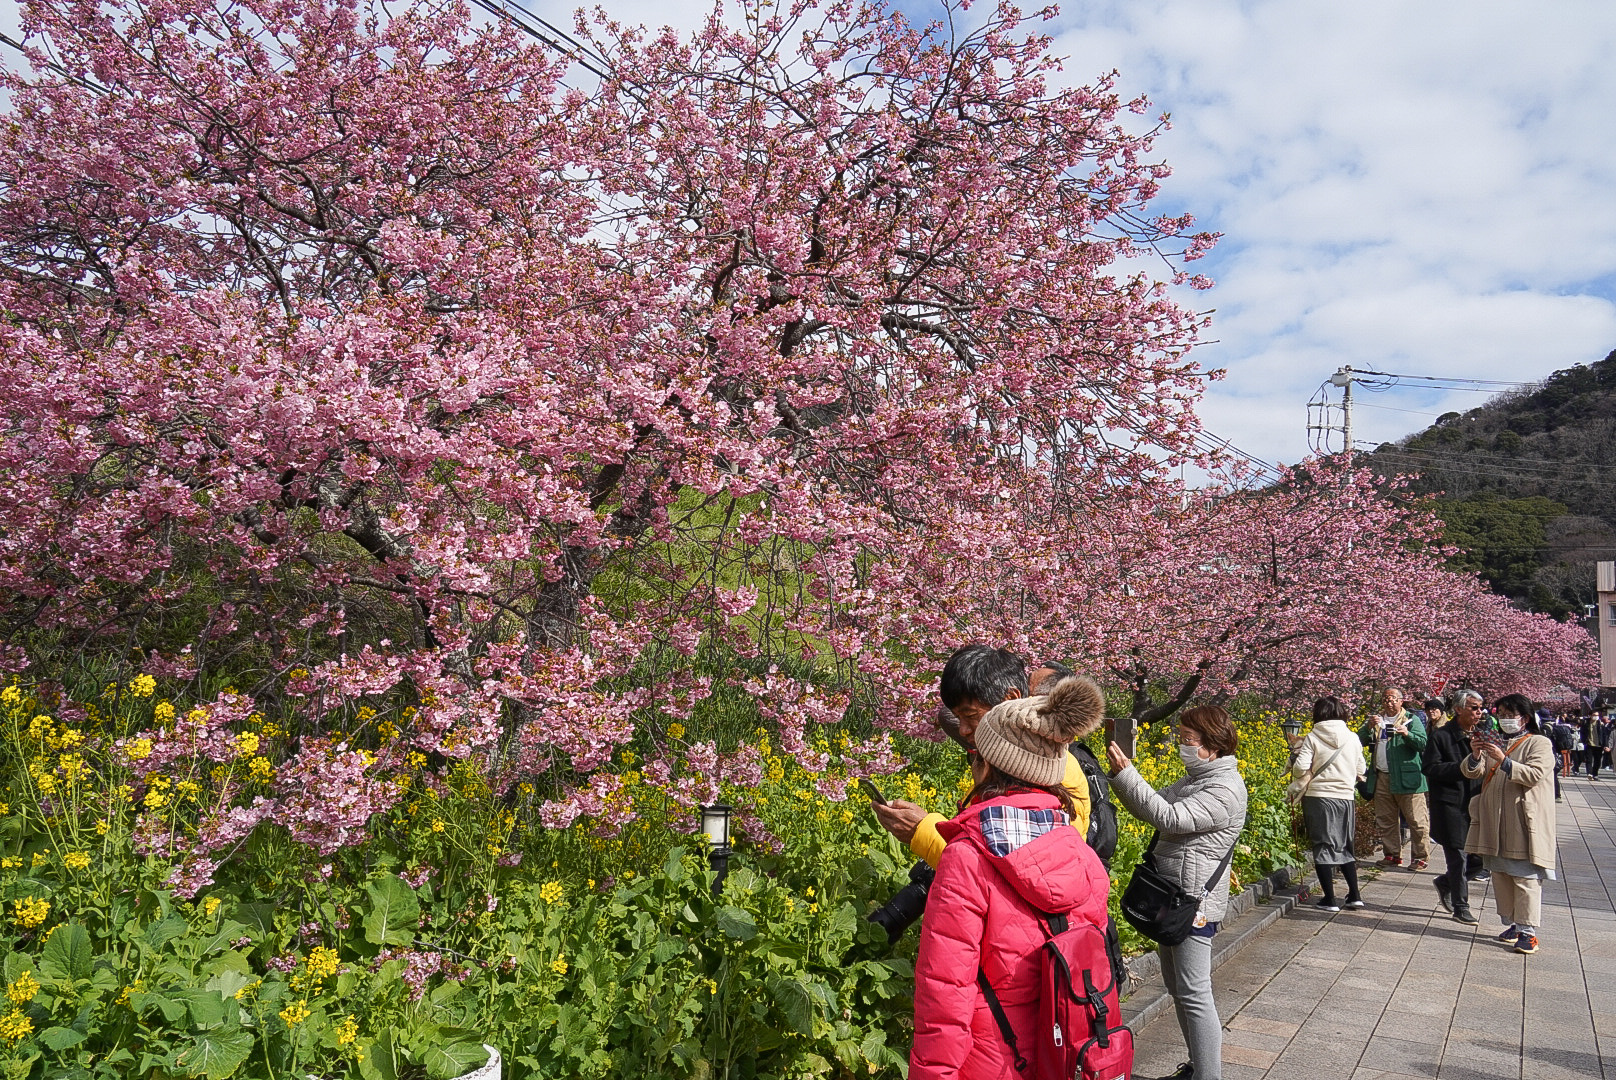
1199	819
1512	820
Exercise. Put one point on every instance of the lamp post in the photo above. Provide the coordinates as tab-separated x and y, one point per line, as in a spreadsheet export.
1291	726
715	825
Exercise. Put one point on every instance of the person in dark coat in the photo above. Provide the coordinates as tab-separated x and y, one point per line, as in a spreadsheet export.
1450	794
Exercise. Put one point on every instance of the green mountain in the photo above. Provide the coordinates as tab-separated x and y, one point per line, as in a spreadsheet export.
1526	484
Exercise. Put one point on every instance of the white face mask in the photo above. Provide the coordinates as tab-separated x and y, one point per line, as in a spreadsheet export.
1509	724
1190	754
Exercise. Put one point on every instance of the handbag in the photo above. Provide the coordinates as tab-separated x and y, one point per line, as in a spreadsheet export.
1298	787
1160	909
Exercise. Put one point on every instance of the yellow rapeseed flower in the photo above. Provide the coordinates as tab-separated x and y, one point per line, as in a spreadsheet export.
10	696
29	913
296	1012
559	965
76	860
138	749
210	905
23	990
14	1026
550	892
261	770
347	1031
142	686
164	712
676	730
322	962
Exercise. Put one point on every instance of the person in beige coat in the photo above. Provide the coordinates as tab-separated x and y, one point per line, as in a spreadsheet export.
1512	820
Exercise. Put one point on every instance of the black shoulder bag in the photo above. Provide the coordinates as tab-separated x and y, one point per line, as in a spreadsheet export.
1160	909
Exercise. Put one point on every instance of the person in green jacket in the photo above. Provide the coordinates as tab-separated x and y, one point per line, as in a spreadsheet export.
1397	782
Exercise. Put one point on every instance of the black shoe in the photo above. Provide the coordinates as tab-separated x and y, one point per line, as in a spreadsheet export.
1463	915
1442	897
1185	1071
1480	875
1328	905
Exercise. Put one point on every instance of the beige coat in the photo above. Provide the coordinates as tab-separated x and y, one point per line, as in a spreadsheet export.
1513	817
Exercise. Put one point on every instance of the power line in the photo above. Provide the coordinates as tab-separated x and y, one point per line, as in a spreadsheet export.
1441	378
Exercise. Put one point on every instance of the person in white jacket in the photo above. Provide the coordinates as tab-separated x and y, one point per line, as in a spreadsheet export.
1326	766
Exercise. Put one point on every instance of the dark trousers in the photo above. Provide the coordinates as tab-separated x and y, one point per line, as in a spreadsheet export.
1593	756
1459	865
1556	776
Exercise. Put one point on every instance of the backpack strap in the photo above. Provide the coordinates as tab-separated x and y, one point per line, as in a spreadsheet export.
1001	1019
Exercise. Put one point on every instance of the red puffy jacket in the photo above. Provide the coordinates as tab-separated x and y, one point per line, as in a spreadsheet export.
994	876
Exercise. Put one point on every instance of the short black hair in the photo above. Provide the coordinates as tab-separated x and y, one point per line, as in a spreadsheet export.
1435	703
1521	706
984	673
1330	708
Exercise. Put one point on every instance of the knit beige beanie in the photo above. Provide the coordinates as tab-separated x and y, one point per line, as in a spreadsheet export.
1027	737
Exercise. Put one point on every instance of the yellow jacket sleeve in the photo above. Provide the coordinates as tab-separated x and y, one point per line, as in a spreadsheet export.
1078	785
928	843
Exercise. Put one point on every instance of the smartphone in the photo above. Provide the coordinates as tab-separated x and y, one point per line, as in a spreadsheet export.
872	791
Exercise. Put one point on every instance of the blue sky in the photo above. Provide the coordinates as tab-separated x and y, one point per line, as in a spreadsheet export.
1416	187
1422	188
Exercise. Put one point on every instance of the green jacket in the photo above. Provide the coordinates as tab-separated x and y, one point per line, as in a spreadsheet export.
1403	753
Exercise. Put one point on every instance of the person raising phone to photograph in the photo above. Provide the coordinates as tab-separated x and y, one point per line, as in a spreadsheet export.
1512	818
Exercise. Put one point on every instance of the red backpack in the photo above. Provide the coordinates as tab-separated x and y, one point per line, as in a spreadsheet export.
1081	1035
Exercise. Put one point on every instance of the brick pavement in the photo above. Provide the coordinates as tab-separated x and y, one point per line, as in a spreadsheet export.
1400	991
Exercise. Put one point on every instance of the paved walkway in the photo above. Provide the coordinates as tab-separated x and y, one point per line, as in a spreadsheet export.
1400	991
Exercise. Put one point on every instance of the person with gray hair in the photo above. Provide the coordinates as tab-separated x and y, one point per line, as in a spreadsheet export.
1449	802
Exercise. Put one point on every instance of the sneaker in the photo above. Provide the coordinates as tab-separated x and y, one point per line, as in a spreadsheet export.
1480	875
1391	860
1463	915
1526	943
1442	897
1356	904
1510	933
1418	864
1328	905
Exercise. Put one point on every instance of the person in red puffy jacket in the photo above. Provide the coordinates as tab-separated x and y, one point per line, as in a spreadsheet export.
1007	859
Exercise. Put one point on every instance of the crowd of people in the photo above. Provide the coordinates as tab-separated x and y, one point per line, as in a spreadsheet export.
1026	857
1481	783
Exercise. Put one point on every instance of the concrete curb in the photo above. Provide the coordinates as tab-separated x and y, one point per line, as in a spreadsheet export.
1266	900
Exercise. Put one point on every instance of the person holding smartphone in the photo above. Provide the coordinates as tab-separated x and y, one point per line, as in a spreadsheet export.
1512	818
976	678
1397	784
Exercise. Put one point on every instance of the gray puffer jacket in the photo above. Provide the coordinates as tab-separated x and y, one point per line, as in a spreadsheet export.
1200	818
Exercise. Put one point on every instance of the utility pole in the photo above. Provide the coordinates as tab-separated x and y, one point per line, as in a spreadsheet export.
1343	379
1321	414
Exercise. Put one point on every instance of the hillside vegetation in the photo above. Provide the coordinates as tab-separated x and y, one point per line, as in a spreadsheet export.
1526	484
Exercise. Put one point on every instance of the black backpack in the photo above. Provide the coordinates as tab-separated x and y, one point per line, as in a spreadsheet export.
1565	737
1102	836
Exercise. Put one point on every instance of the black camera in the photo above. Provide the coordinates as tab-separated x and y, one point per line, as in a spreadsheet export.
899	913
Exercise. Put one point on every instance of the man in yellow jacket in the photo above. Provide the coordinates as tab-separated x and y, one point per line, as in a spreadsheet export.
976	678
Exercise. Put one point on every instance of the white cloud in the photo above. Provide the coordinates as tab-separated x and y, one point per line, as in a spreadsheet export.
1422	188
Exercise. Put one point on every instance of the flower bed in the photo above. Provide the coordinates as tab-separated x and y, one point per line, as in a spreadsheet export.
190	891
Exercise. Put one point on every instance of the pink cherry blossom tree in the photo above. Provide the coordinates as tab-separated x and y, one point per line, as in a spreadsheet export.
383	346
